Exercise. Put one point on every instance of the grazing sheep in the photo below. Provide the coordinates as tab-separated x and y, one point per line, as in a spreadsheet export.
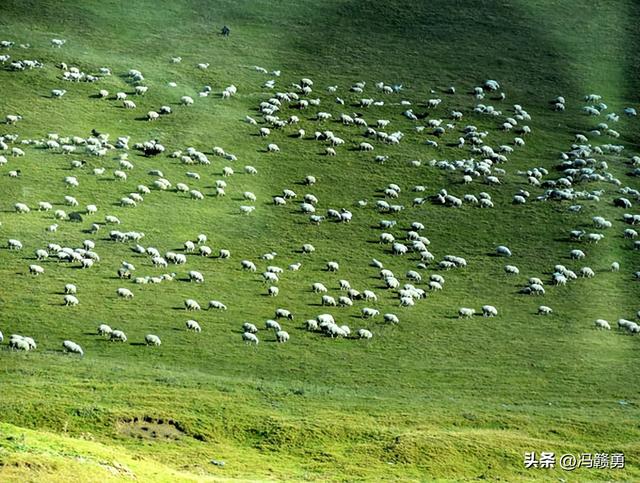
250	338
544	310
124	293
364	334
117	336
282	336
249	327
151	339
615	267
70	300
70	346
36	270
466	312
191	304
14	244
21	208
369	312
215	304
273	291
283	313
332	266
489	311
104	329
602	324
503	251
511	270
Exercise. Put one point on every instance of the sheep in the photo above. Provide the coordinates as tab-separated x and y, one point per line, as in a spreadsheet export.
141	90
21	208
466	312
615	267
19	342
544	310
217	305
308	248
577	254
124	293
58	93
151	339
225	253
365	146
311	325
587	272
511	270
249	327
602	324
273	148
129	104
329	300
70	300
272	325
250	338
36	270
104	329
191	304
406	302
117	336
283	313
364	334
489	311
70	346
503	251
332	266
369	312
282	336
42	254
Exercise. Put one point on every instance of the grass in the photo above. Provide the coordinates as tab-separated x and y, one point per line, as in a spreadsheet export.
433	398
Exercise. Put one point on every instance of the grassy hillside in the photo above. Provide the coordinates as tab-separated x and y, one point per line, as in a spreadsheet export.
435	397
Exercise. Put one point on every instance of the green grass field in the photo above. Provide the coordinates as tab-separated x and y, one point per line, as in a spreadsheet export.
433	398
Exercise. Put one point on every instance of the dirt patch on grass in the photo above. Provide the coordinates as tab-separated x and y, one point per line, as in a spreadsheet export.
150	428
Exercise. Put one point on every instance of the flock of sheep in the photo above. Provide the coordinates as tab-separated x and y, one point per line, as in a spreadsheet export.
297	110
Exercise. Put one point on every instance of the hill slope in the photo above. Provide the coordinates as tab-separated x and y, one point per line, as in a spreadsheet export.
434	396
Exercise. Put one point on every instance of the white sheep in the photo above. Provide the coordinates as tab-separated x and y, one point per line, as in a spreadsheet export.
21	208
191	304
104	329
117	336
70	346
36	270
71	300
602	324
151	339
503	251
193	325
489	311
466	312
544	310
250	338
282	336
217	305
124	293
368	312
283	313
